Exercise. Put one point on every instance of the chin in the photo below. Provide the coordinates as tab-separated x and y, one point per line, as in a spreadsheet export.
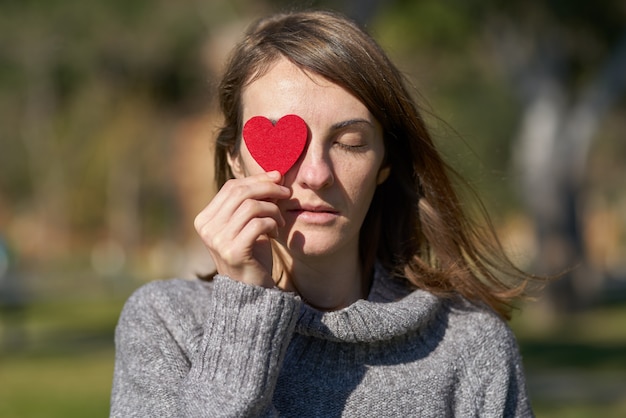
315	244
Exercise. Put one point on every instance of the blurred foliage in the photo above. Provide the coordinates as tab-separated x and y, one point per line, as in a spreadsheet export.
448	50
92	94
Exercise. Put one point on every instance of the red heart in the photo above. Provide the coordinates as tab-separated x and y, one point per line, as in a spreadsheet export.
276	147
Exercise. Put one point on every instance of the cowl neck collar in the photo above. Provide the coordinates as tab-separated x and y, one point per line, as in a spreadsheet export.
391	310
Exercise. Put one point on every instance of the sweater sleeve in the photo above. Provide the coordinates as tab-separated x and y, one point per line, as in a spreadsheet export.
200	354
494	383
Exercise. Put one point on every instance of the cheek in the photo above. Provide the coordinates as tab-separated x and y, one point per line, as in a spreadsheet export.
360	184
367	189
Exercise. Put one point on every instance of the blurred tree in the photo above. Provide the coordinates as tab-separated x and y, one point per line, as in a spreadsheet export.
567	61
91	90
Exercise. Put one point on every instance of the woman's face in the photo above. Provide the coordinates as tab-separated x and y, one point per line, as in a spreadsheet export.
334	180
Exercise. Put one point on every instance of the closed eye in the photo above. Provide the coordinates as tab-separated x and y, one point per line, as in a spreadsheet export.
353	135
350	147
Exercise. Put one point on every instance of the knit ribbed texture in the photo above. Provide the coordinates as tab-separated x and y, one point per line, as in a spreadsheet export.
227	349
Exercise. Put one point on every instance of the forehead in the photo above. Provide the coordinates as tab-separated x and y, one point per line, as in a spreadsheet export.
286	88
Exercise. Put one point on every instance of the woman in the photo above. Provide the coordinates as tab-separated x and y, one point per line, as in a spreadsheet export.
352	285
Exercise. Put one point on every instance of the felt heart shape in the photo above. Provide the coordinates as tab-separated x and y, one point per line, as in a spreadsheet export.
275	147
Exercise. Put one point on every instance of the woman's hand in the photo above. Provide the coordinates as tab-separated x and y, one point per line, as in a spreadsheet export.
236	226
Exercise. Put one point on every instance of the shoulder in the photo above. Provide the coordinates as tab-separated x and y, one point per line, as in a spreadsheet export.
475	325
176	307
173	297
168	297
484	344
161	293
480	339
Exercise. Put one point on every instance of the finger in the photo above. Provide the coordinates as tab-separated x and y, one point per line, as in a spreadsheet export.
238	251
251	208
234	192
259	186
231	223
255	230
217	235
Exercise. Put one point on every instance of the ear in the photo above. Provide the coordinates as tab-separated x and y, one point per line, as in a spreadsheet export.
383	174
236	166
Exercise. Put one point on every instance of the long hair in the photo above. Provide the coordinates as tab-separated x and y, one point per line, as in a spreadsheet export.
416	226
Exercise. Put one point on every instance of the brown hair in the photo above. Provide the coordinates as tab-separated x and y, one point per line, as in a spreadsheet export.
415	227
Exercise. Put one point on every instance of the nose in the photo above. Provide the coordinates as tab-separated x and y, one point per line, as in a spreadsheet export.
315	170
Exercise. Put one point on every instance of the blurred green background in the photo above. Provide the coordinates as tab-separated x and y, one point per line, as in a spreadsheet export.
106	120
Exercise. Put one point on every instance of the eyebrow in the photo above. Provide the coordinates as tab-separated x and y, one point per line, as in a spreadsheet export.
339	125
350	122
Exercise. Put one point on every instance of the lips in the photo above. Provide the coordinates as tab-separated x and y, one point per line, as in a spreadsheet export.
313	213
317	209
313	208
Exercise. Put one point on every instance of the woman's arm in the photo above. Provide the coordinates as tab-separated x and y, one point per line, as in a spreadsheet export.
200	351
226	362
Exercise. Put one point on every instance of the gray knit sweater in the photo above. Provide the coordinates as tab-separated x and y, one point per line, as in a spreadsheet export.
227	349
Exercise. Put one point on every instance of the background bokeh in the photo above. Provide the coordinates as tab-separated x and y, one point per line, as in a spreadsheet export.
106	118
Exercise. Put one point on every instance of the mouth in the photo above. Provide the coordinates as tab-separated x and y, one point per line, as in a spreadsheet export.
315	209
317	214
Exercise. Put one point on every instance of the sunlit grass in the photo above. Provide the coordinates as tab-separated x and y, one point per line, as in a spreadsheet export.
581	409
56	386
576	363
59	362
